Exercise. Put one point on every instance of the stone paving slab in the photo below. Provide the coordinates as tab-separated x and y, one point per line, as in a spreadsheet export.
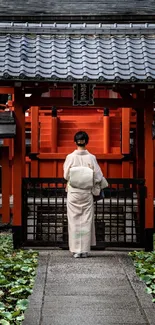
87	321
100	290
97	302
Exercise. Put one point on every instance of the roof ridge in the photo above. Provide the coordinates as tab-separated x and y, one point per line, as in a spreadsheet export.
76	28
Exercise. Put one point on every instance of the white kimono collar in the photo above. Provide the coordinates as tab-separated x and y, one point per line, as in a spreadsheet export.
81	152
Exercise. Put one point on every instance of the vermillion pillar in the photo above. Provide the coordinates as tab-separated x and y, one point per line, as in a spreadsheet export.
140	143
126	141
9	143
106	131
54	130
18	166
34	139
149	178
106	137
54	138
6	180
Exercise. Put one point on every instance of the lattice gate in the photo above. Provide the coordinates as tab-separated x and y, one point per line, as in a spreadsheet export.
119	217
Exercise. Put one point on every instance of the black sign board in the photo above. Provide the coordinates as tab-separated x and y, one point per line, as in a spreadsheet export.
83	94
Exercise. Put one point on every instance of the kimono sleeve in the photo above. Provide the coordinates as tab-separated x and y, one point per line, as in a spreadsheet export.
66	167
97	172
98	176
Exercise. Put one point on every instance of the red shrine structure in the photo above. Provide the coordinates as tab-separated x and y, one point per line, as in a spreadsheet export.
72	68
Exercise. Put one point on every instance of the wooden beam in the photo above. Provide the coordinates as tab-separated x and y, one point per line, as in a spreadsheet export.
68	102
6	90
62	156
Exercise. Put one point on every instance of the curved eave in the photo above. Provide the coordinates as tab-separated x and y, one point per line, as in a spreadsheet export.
149	81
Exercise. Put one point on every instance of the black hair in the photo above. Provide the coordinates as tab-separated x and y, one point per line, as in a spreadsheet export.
81	135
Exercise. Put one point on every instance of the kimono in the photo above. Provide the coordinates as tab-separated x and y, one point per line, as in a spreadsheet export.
80	203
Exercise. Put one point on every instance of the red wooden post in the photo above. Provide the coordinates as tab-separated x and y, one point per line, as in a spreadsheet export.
4	161
126	141
8	143
106	131
105	169
54	134
19	158
34	139
140	143
149	177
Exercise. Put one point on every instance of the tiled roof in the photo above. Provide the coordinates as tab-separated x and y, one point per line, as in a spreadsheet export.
97	58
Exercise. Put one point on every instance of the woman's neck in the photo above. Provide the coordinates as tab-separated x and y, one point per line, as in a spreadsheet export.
81	148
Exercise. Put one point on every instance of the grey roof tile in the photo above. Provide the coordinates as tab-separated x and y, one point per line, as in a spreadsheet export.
81	57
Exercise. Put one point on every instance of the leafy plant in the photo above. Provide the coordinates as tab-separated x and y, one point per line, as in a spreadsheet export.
17	276
6	242
144	263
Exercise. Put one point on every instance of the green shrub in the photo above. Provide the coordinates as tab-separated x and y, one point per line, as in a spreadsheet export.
144	263
17	276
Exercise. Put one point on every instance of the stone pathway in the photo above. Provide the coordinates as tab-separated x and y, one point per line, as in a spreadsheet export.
102	289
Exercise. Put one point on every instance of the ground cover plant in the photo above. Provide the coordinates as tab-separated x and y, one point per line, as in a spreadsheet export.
17	276
144	263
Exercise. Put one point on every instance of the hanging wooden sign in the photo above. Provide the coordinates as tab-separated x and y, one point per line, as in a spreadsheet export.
83	94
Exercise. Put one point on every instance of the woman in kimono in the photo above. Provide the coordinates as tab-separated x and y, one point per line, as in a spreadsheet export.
84	177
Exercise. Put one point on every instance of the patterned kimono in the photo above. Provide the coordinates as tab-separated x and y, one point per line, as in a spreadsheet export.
80	204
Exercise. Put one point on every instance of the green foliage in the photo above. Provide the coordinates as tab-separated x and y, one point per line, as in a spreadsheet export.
6	243
144	263
17	276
